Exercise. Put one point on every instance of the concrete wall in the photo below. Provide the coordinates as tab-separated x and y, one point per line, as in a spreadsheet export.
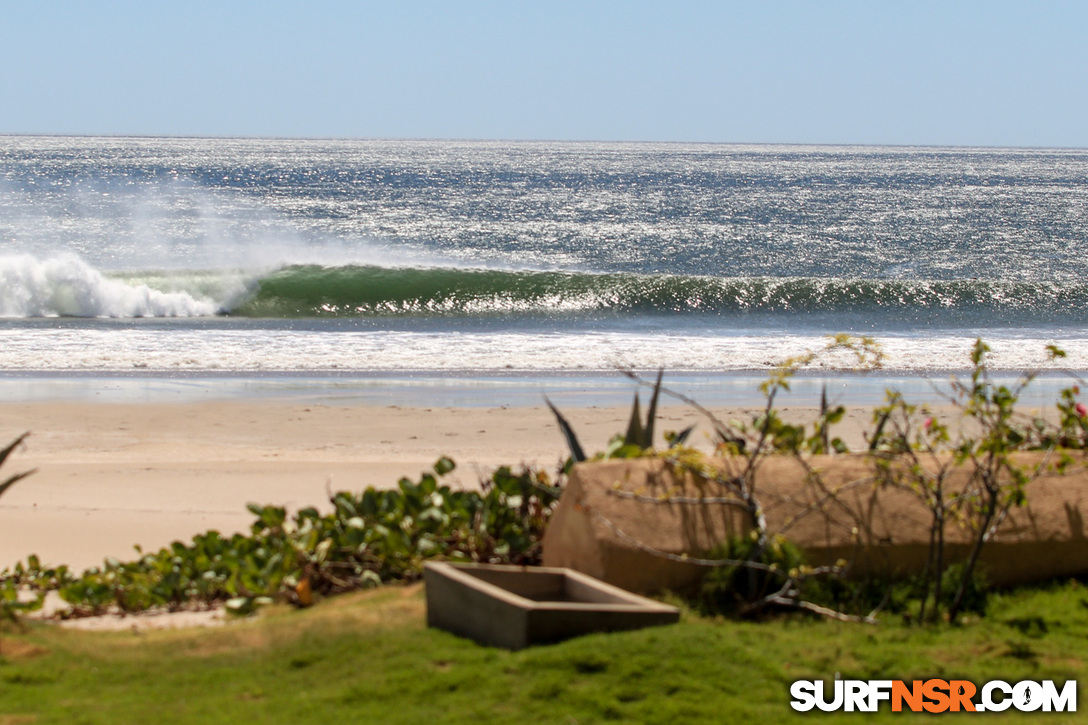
598	531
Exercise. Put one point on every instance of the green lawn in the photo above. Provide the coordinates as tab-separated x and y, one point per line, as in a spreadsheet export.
369	658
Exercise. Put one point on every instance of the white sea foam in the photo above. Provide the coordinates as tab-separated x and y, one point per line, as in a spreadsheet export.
125	349
65	285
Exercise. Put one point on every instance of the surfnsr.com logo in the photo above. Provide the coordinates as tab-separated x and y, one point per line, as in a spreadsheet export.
933	696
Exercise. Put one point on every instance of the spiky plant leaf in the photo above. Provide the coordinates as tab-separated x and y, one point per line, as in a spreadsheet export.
635	433
651	414
879	431
682	436
11	447
825	437
576	453
678	439
12	480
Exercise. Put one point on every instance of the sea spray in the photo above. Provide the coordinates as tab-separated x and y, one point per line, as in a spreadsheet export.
66	286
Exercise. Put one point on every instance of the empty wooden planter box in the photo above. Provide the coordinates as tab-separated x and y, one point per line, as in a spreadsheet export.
514	607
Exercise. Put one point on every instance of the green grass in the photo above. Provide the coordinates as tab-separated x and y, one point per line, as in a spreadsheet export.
369	658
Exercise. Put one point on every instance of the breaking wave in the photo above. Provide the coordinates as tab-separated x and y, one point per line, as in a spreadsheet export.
66	285
346	291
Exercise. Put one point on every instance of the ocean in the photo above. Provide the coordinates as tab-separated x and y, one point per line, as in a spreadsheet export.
336	260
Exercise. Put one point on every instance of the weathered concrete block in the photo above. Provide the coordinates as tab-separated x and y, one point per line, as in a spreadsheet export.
598	529
514	607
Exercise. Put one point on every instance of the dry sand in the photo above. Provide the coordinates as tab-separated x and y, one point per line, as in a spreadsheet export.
115	475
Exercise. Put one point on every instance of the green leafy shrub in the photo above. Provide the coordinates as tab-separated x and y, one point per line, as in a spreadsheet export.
895	595
976	588
909	449
733	589
780	575
859	596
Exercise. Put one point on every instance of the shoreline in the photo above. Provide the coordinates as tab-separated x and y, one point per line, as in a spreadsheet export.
472	389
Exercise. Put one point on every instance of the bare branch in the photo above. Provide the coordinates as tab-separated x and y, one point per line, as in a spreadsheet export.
680	557
669	498
834	614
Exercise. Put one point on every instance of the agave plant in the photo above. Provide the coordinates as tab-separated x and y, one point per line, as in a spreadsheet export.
639	435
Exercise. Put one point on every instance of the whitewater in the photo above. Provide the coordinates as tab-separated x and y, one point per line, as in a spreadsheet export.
258	257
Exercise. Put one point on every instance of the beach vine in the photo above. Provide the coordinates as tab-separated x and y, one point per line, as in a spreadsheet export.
367	539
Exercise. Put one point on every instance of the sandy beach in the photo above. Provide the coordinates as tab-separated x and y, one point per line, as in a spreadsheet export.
111	475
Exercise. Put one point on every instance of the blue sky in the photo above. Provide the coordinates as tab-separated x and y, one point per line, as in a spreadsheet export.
880	72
